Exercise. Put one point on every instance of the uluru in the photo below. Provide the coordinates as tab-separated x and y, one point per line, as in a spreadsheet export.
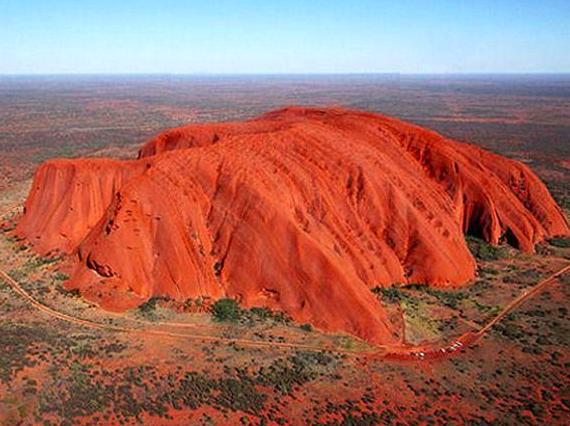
302	210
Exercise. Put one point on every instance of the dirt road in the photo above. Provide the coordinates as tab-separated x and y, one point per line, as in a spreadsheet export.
433	351
392	351
521	299
109	327
402	351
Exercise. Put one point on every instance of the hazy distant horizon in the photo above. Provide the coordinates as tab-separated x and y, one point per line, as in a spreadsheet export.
284	37
294	74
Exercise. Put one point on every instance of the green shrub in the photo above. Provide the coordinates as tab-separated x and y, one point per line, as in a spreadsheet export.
284	375
482	250
60	276
74	292
561	242
489	271
226	310
450	298
388	294
526	276
148	309
264	315
261	313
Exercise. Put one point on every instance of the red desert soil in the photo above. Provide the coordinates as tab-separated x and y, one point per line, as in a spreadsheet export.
302	210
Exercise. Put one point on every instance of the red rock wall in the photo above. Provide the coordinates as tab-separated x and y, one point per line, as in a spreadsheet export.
68	197
302	210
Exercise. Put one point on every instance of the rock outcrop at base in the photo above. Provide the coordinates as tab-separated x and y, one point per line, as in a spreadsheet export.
301	210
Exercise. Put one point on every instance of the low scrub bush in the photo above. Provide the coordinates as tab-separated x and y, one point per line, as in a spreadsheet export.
561	242
484	251
226	310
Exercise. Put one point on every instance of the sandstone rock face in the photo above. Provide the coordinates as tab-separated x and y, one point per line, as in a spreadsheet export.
68	197
301	210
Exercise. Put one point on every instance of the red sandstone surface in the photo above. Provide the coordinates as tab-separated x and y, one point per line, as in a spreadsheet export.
301	210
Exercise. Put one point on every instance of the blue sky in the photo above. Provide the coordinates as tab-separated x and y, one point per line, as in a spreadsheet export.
284	36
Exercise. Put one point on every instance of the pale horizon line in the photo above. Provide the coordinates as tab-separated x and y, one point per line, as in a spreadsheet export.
310	73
